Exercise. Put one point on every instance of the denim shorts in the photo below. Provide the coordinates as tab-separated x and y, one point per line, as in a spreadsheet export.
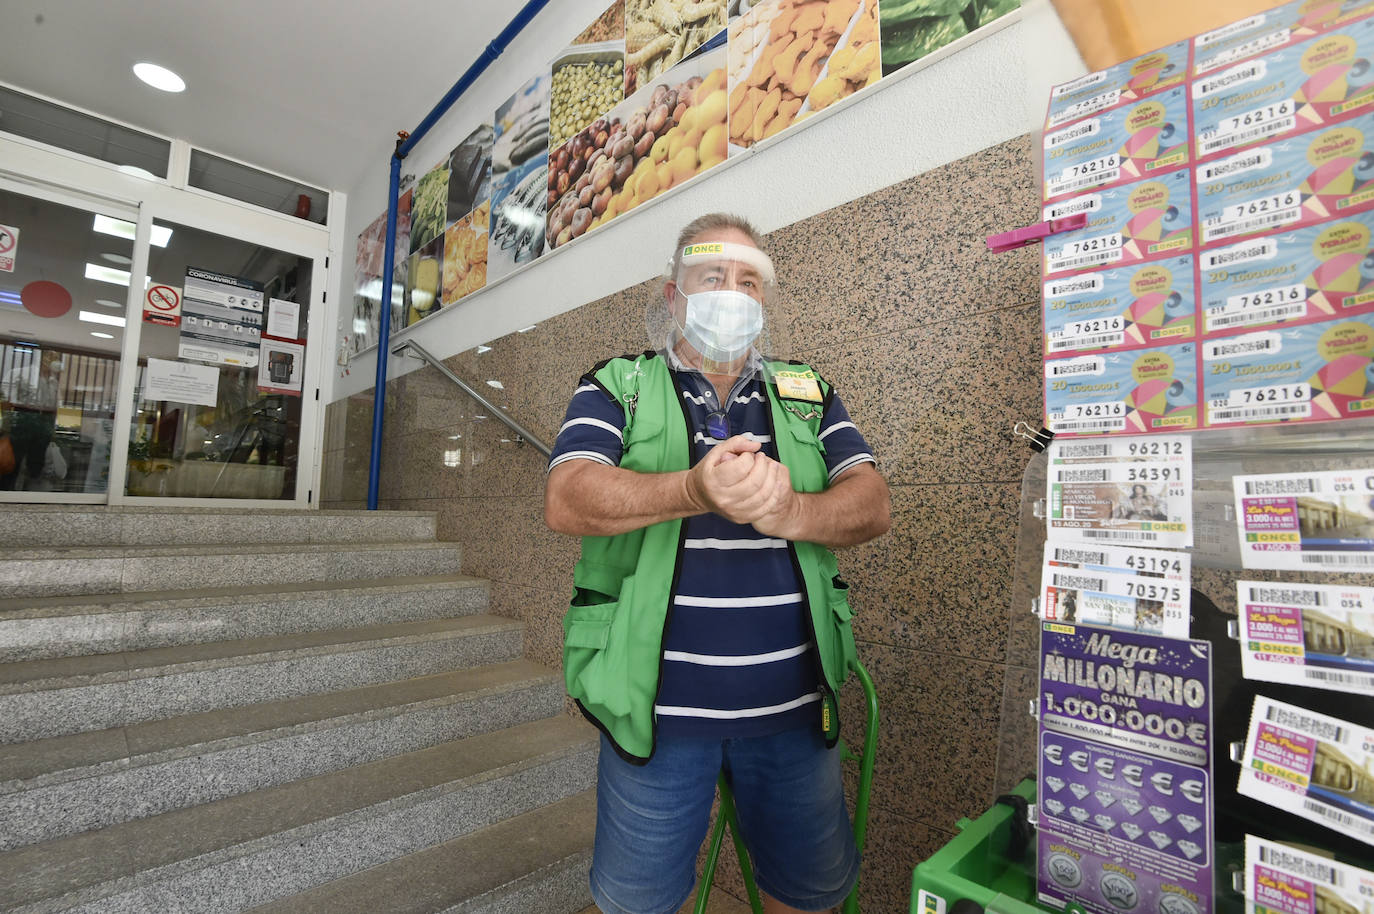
651	820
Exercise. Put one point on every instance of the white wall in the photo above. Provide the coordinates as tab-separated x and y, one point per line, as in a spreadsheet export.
975	93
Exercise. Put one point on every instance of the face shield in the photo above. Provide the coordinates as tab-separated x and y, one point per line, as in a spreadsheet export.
719	308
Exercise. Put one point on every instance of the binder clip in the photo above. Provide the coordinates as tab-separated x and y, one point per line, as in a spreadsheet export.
1019	238
1038	440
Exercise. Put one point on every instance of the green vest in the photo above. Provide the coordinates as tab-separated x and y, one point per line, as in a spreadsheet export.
623	585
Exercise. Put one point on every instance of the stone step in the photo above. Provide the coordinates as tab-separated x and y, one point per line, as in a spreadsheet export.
42	628
46	698
57	571
263	846
535	862
34	526
62	786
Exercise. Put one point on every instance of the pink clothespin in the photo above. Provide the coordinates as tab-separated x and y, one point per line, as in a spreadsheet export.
1021	237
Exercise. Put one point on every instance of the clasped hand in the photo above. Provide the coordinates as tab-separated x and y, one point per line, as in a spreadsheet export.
740	483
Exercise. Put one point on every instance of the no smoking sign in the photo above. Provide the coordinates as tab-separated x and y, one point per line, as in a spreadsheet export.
162	305
9	247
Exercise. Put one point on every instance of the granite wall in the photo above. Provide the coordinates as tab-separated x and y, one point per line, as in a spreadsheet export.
933	343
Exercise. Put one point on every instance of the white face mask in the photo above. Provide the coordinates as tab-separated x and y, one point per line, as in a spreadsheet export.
721	323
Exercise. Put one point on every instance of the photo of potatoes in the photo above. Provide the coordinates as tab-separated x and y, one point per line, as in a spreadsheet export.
465	255
661	33
911	29
791	58
671	131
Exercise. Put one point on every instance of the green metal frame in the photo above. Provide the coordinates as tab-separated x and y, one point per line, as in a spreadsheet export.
728	816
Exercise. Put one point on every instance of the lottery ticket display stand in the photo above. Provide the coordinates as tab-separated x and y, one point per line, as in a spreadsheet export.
1193	608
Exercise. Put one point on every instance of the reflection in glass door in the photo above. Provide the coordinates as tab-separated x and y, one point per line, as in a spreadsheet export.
64	279
218	399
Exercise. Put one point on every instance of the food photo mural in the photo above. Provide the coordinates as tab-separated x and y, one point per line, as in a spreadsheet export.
650	94
519	178
670	131
911	29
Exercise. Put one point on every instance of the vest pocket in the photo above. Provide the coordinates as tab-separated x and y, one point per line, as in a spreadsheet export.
842	644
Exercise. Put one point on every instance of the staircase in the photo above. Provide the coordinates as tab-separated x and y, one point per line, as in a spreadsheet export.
277	711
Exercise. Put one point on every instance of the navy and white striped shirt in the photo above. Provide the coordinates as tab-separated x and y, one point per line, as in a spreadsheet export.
737	653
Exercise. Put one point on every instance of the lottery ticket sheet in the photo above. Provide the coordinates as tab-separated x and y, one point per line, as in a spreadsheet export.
1142	76
1124	780
1285	880
1319	635
1295	21
1118	146
1134	491
1141	590
1128	224
1315	273
1314	766
1304	373
1297	88
1134	391
1318	521
1124	308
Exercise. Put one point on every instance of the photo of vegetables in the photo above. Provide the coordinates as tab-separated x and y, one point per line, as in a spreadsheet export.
792	58
667	134
519	161
465	255
660	33
429	209
367	276
587	81
469	174
609	26
911	29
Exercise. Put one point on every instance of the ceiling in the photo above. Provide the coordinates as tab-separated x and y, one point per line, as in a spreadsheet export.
314	90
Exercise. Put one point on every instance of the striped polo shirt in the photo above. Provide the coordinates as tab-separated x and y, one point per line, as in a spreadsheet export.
737	652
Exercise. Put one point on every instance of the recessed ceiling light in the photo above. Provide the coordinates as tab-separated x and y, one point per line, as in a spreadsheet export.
110	303
103	336
121	228
159	77
120	259
135	172
107	274
95	317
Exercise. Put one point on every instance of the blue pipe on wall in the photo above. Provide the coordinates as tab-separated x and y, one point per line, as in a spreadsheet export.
489	54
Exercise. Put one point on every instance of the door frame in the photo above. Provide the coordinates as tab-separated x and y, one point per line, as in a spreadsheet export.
72	180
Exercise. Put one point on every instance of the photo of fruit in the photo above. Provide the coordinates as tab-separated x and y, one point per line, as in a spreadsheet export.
792	58
465	255
911	29
660	33
667	134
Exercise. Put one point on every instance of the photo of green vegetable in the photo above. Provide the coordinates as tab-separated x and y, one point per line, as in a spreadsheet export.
430	207
911	29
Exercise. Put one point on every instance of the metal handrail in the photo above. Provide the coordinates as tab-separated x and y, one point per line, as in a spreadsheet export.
523	433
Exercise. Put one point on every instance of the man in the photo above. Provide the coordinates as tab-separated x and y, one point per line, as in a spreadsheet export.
709	630
28	400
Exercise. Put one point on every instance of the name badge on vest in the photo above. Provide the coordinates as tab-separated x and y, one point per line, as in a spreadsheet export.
798	385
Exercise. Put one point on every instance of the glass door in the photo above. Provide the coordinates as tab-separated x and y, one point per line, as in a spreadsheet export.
220	408
65	264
